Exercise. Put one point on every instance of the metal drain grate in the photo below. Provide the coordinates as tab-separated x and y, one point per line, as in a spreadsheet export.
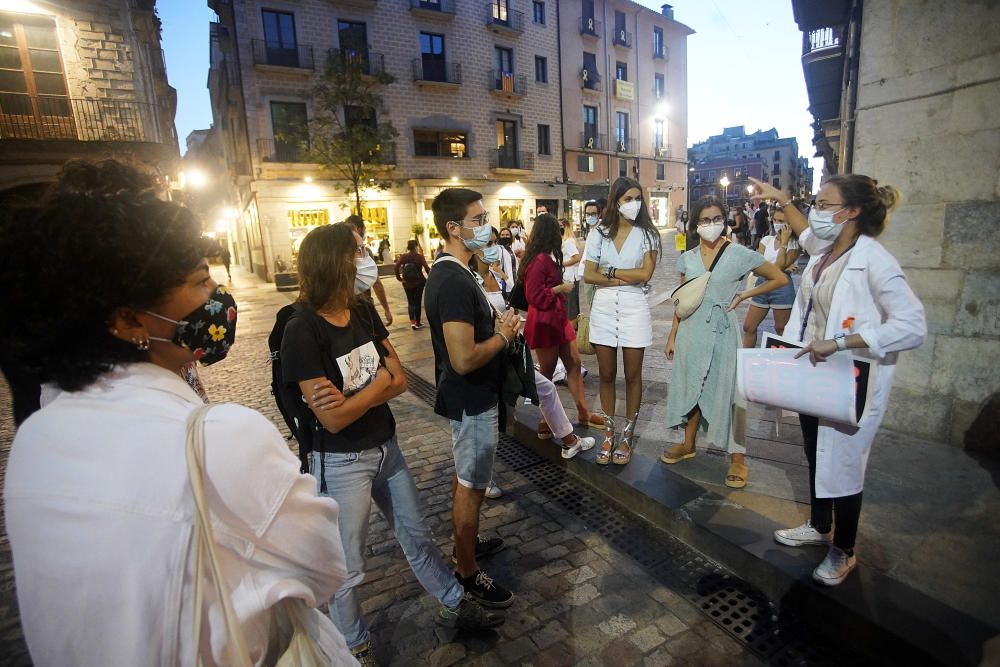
738	608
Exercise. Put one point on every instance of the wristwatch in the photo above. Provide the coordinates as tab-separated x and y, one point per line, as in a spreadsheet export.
841	341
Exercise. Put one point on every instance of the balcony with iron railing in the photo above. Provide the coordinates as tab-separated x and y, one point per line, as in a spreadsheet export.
622	37
591	140
442	10
624	145
365	60
433	73
503	159
820	40
663	151
590	27
272	54
501	18
507	83
43	117
590	80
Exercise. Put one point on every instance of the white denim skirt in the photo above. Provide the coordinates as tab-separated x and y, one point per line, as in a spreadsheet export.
621	318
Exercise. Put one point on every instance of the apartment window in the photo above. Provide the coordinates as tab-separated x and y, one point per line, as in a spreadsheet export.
544	141
538	11
279	38
432	57
590	71
288	124
658	135
621	131
621	71
541	69
504	59
777	155
658	43
776	182
433	143
501	11
777	168
660	171
360	117
585	163
623	167
590	135
507	144
30	66
659	87
619	23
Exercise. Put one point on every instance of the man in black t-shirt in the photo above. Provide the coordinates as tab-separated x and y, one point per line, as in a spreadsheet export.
467	341
761	226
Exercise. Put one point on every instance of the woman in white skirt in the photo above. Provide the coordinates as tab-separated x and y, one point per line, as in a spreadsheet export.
619	260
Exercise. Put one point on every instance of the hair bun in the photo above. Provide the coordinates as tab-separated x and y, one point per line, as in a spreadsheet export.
890	196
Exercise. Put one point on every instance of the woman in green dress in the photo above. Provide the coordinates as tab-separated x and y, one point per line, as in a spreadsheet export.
703	346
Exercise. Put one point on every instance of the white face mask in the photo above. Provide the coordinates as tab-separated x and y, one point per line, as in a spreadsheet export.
630	210
712	231
822	224
516	231
778	227
367	274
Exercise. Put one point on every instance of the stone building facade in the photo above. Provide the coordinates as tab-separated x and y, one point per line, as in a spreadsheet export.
478	98
82	78
624	101
786	169
475	101
907	92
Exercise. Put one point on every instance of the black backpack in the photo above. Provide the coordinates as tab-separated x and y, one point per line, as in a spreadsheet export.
411	272
297	415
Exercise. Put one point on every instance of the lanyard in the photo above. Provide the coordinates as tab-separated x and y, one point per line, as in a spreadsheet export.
817	273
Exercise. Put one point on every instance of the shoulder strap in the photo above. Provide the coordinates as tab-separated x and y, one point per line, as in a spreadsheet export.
204	541
478	284
718	256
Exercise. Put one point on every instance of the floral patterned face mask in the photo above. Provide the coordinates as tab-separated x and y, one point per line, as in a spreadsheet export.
209	331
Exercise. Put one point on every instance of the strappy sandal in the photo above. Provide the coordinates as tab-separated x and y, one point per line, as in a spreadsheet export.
736	477
623	456
544	431
676	454
608	446
595	421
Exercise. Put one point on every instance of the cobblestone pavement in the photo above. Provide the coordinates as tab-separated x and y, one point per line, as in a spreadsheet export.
579	599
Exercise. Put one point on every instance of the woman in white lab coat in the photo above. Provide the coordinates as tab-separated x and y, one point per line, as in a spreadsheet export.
854	296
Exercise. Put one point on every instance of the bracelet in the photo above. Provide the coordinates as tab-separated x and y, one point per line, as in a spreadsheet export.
506	341
841	341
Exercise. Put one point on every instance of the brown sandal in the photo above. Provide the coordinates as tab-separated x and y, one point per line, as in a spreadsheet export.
736	477
677	453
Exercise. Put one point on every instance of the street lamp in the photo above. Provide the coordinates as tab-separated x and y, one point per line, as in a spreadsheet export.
724	182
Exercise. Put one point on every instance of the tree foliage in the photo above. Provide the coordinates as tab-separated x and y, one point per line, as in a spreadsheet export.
346	135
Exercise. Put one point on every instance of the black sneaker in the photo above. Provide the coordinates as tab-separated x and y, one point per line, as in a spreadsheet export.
485	547
469	616
481	588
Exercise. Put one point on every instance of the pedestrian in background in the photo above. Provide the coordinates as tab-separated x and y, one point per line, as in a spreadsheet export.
106	575
517	232
782	250
703	346
854	296
411	270
368	271
468	340
506	265
227	260
620	257
547	328
572	263
761	225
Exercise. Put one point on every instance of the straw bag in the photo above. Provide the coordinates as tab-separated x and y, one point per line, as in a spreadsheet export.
290	617
689	295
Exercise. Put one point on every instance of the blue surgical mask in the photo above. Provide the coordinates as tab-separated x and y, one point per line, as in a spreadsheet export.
591	220
822	224
481	236
491	254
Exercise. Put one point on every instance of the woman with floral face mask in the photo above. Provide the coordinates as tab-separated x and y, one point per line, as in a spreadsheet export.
116	325
619	260
854	296
703	346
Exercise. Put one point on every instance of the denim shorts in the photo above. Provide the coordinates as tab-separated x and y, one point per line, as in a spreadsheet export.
779	299
474	441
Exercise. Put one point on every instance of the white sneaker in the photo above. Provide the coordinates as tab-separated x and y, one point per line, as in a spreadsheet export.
493	491
581	445
802	536
835	567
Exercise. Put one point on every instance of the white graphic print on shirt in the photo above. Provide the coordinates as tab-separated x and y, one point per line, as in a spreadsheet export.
358	367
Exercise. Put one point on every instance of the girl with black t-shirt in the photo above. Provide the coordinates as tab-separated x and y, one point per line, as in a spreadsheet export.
337	351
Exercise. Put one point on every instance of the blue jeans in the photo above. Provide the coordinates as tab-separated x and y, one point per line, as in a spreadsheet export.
354	479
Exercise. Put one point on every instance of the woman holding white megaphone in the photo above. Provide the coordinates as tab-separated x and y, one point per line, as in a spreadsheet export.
854	296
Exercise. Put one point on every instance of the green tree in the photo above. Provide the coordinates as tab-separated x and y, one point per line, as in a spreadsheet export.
345	133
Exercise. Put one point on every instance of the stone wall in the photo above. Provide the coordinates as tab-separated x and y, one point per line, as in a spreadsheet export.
927	122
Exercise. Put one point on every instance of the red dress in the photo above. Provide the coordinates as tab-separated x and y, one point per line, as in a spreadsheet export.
547	324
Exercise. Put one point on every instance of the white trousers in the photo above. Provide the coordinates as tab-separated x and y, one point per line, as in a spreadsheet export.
551	407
